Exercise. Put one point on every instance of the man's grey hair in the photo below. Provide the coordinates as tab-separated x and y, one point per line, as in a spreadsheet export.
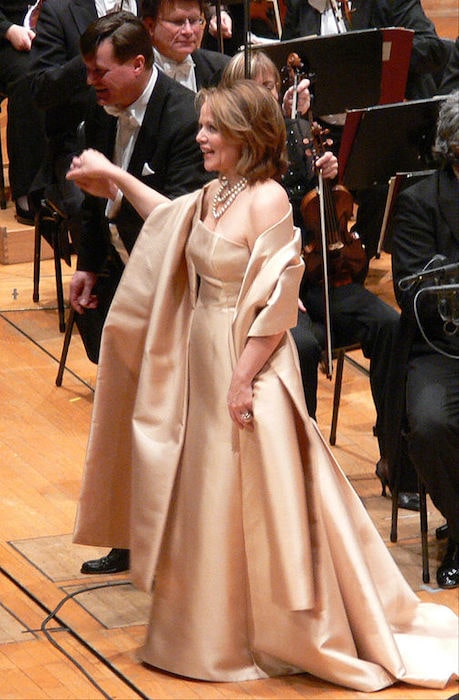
447	140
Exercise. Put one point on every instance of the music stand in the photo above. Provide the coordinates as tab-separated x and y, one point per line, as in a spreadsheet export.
380	141
351	70
397	183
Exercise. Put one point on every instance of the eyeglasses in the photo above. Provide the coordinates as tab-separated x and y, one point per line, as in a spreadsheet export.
180	24
271	85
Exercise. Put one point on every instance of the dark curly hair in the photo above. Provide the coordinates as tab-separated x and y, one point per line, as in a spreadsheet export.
446	147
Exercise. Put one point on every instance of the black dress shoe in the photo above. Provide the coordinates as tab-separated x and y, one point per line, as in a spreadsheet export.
409	501
115	561
448	572
25	216
441	533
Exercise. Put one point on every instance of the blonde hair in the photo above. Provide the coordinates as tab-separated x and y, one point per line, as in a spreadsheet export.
260	66
246	114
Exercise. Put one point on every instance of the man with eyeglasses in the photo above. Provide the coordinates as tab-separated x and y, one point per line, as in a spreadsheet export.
176	28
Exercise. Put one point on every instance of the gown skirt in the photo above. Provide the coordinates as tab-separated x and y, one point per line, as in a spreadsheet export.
218	609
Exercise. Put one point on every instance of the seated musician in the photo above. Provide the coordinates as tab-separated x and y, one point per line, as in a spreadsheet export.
176	28
427	225
428	57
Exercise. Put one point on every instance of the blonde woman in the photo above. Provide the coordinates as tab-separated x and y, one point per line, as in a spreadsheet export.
260	557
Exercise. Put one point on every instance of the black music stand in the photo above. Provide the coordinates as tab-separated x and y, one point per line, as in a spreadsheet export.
246	29
380	141
351	70
397	183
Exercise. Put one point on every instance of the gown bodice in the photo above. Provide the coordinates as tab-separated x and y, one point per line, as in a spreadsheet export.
220	264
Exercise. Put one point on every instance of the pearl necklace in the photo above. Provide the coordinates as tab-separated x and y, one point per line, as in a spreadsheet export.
225	196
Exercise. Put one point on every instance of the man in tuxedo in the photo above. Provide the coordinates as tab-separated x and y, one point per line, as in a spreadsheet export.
426	235
357	315
176	28
25	134
59	87
145	122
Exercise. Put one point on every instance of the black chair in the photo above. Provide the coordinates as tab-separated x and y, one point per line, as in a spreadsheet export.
51	223
2	174
340	354
65	346
91	330
422	522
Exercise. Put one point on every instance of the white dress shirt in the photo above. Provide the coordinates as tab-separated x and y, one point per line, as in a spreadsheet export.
105	6
182	72
128	126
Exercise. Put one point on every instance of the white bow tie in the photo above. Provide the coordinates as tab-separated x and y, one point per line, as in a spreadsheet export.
178	71
182	70
320	5
125	116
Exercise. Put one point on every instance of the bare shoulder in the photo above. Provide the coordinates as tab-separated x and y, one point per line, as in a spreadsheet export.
268	204
269	194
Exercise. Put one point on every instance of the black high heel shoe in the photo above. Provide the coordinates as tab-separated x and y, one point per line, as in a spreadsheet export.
406	499
441	533
381	473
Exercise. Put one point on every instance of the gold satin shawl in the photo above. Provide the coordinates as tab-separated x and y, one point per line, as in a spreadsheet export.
140	402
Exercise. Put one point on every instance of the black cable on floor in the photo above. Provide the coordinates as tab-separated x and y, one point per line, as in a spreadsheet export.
29	337
114	670
52	615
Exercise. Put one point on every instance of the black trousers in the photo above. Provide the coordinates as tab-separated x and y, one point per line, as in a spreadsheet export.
90	324
357	315
310	340
432	405
25	135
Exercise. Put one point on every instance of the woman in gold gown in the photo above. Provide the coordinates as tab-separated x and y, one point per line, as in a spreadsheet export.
260	557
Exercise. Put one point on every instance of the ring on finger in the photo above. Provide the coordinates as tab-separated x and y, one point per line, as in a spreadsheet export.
247	415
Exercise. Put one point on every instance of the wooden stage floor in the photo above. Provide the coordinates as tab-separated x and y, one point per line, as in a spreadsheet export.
64	635
60	629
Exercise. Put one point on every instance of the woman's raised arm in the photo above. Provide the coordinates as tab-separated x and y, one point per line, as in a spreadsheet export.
94	173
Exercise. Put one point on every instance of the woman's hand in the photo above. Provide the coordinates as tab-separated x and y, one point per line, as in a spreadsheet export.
91	172
240	403
94	173
256	353
90	164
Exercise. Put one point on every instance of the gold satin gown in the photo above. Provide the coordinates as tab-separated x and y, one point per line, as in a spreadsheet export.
218	610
